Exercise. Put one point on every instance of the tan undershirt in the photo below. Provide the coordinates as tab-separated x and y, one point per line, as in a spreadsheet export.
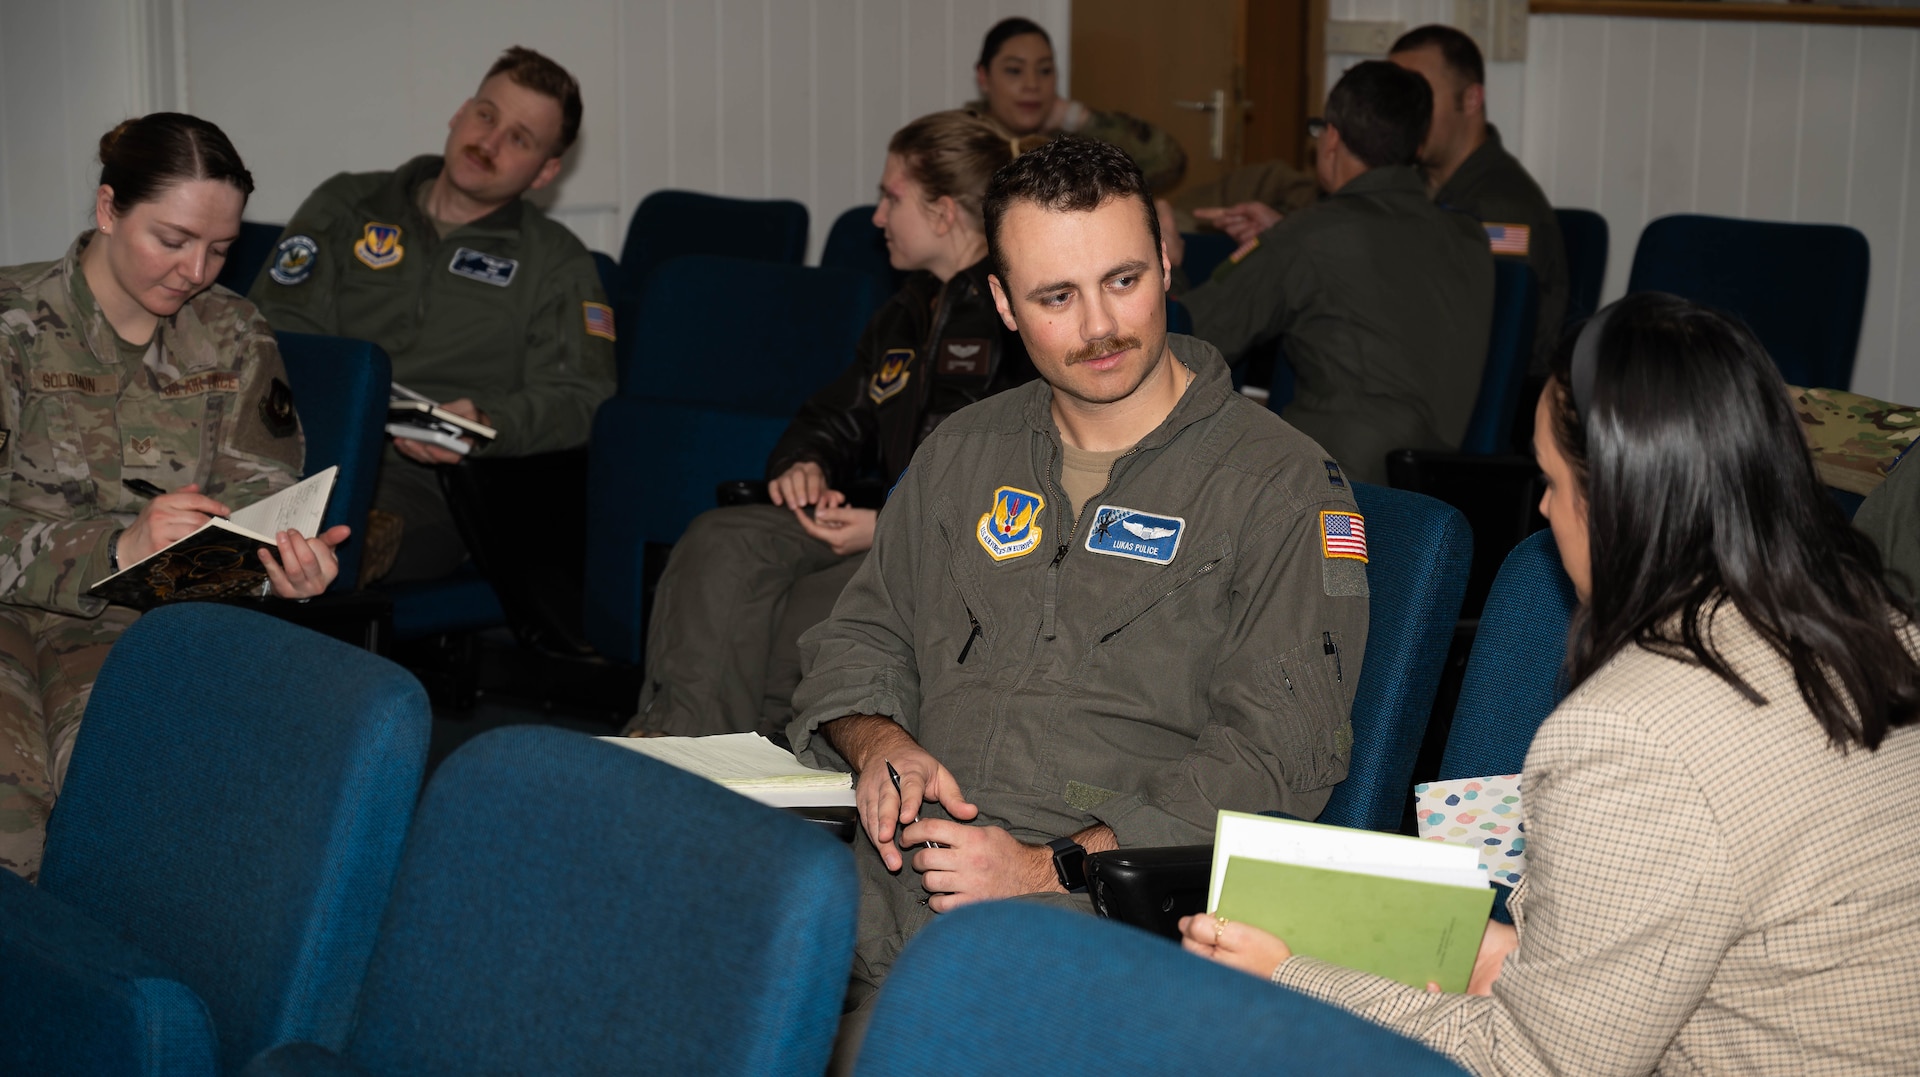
1084	474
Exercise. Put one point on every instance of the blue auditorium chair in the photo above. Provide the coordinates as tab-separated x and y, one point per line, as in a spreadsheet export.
568	906
221	852
1022	988
1205	252
340	390
855	244
705	394
1584	234
671	224
1513	678
1801	288
248	255
1516	309
1420	551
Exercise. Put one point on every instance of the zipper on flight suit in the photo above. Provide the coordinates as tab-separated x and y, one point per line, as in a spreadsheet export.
1053	592
1328	647
971	636
1201	571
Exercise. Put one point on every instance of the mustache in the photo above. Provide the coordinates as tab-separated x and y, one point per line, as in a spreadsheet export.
1103	346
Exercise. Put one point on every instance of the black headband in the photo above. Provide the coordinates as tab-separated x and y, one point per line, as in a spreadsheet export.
1586	354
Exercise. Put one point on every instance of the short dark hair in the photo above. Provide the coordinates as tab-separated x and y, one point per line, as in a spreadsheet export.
1382	111
1700	491
140	158
537	73
1070	174
1004	31
1460	54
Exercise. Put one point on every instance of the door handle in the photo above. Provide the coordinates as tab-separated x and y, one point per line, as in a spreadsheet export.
1217	106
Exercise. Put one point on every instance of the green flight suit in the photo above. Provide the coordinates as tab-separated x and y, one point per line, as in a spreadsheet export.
1384	302
506	311
1495	188
81	410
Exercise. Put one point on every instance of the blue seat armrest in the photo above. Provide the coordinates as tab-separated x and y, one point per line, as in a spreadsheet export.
81	1000
300	1060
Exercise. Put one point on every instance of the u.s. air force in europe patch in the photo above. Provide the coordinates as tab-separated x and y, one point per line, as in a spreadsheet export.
1011	526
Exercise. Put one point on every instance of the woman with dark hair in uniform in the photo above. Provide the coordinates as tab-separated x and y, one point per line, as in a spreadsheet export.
1019	90
1723	875
123	364
745	581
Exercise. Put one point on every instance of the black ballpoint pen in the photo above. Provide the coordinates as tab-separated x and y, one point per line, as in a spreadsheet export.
895	775
142	487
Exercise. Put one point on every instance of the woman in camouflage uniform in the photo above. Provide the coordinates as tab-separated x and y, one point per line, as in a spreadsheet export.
120	363
1019	90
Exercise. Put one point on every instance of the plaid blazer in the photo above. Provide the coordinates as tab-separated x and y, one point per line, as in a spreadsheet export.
1711	887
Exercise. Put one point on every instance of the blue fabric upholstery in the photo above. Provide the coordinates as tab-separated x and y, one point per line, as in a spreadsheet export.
248	255
1802	288
569	906
669	224
340	390
1205	252
1516	308
1179	318
854	244
462	602
1419	553
612	280
1011	987
1585	234
234	811
1513	676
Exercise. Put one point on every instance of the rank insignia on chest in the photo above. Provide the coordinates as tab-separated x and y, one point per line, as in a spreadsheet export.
887	382
963	358
483	267
1509	238
1011	528
1343	534
379	247
1143	536
293	260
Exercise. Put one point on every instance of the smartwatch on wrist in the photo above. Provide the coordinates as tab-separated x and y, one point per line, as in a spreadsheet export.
1070	864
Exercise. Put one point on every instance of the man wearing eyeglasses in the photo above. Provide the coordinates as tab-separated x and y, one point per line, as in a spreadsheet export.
1382	300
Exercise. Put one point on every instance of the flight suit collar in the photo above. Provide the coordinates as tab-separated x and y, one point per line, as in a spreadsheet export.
1212	383
1392	179
396	201
1473	171
185	345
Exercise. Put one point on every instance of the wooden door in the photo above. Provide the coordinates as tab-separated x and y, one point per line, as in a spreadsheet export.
1174	65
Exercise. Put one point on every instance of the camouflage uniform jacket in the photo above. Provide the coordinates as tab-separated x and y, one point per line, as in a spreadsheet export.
506	311
209	403
1160	157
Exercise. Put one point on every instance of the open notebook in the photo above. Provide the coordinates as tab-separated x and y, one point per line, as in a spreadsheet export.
751	765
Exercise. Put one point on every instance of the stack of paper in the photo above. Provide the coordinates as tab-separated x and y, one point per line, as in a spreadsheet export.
751	765
1395	906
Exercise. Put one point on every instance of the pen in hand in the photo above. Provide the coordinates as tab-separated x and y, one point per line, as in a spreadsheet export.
895	775
147	489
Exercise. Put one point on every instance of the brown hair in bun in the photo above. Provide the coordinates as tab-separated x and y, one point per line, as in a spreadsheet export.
140	158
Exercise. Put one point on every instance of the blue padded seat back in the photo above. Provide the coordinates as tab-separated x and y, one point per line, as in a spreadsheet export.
340	390
612	280
571	906
1801	288
1018	983
1513	679
1585	234
248	255
669	224
235	807
1179	318
1516	308
1205	252
854	243
1420	550
689	341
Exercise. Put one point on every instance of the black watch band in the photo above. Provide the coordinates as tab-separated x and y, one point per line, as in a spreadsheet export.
1070	864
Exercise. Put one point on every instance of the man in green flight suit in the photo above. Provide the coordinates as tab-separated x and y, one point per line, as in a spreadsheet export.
1383	300
482	301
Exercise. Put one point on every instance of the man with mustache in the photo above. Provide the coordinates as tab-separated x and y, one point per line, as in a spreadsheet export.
483	302
1099	607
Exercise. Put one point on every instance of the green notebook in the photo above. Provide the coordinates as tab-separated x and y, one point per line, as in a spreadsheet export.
1399	907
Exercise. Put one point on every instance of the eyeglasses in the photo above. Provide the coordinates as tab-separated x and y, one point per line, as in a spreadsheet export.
1315	126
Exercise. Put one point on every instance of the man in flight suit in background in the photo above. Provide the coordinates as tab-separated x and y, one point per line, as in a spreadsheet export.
1383	300
1099	608
482	302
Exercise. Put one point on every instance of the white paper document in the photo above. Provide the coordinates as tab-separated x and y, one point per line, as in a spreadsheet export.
748	764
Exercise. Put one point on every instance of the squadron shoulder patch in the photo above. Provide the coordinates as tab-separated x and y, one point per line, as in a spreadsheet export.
599	320
293	260
1343	534
379	246
1509	238
483	267
1011	526
1142	536
276	410
892	375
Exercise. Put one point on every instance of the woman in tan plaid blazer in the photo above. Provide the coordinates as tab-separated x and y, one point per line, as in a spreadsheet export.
1723	863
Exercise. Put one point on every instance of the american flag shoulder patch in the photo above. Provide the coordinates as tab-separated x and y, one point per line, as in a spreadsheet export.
599	320
1509	238
1343	534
